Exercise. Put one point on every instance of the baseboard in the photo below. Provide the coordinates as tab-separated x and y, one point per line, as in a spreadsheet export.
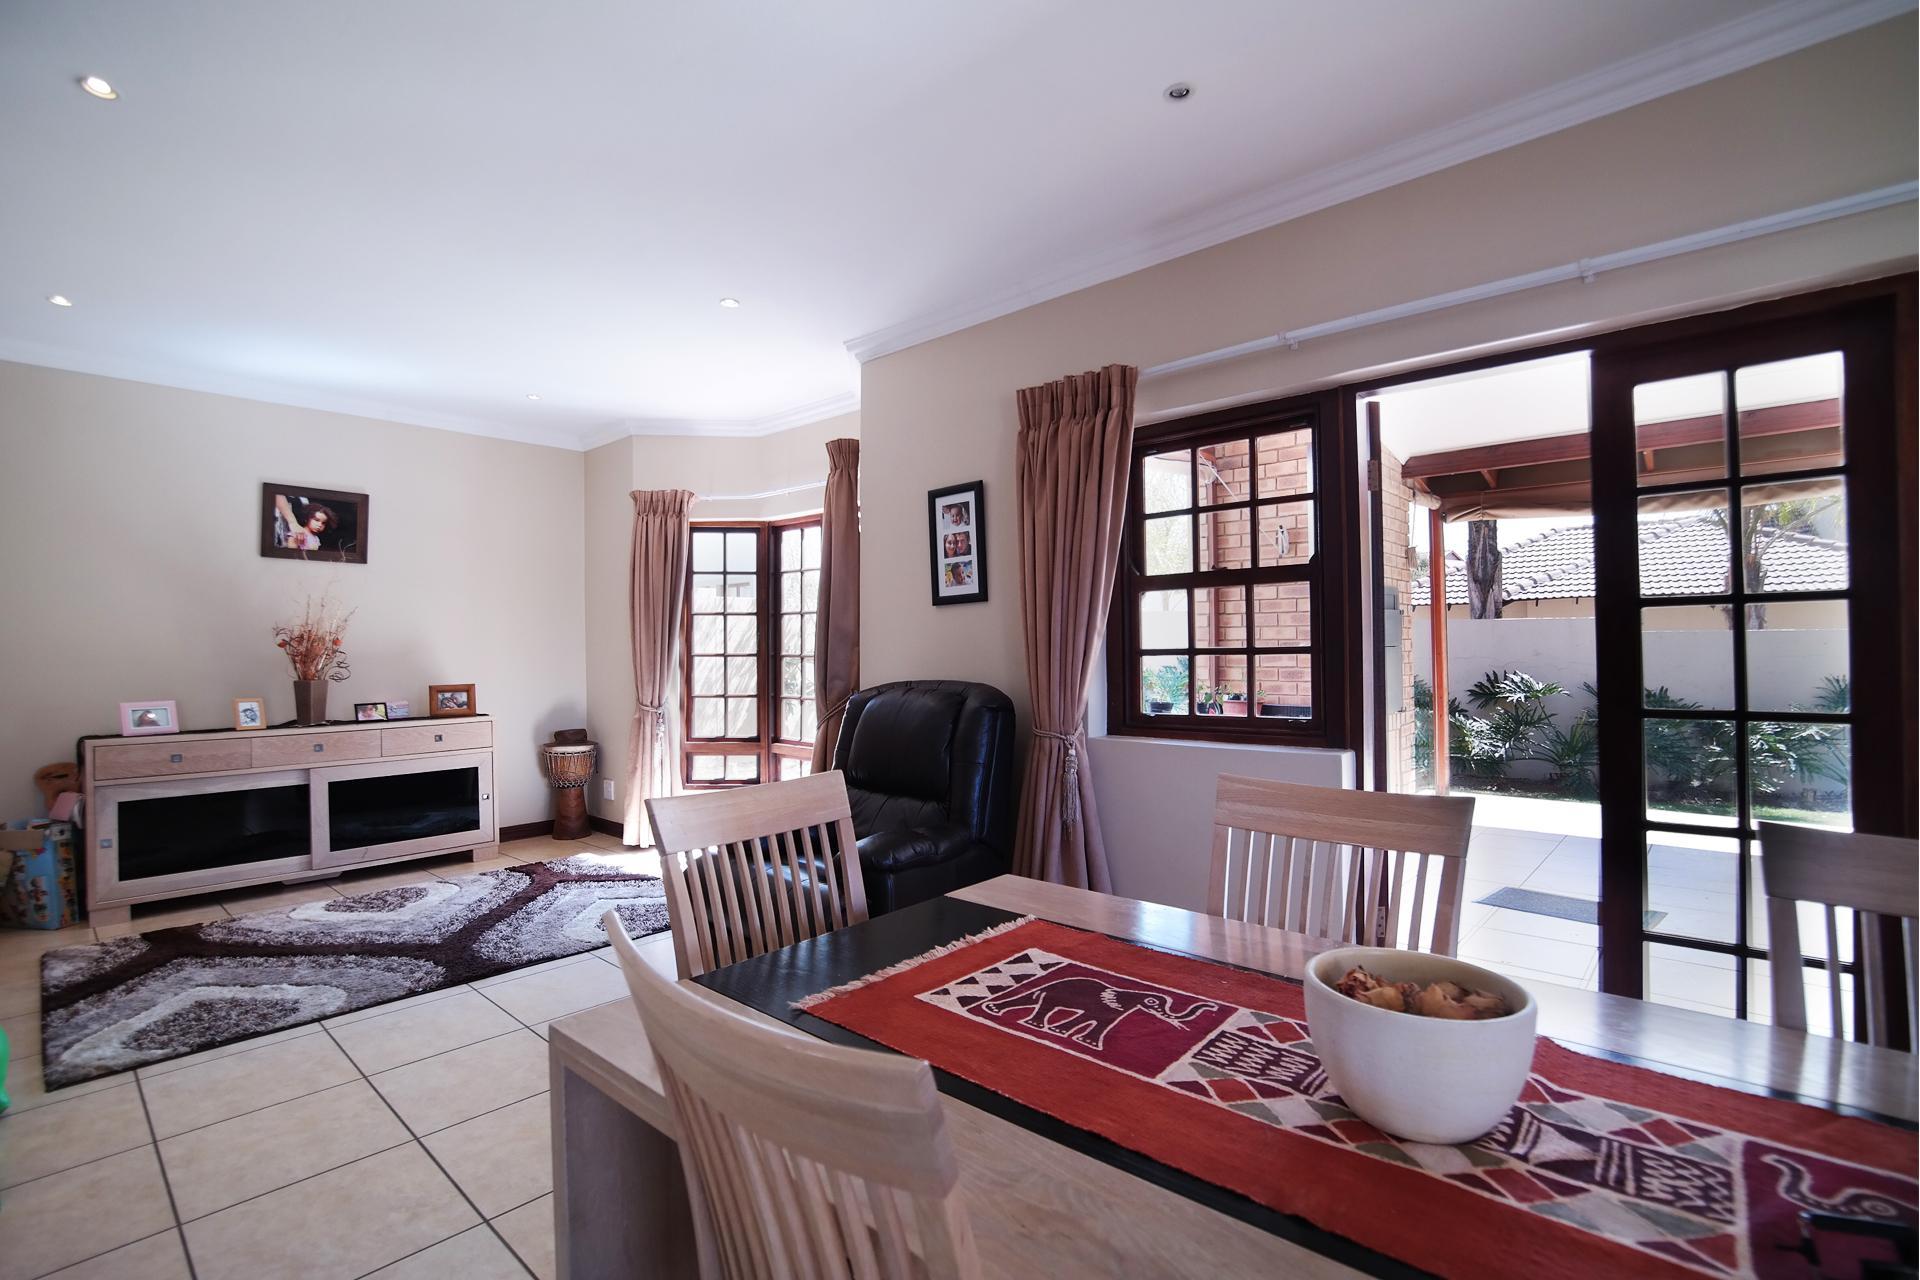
605	826
526	830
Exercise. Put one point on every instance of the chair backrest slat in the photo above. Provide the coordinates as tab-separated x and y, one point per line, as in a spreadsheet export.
752	869
1336	862
1875	880
803	1159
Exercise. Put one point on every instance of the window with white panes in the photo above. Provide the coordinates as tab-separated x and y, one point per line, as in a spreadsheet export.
753	590
797	563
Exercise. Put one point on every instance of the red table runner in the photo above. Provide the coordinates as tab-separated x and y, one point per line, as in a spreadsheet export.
1600	1170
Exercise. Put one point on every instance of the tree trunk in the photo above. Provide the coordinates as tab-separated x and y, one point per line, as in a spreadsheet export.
1483	569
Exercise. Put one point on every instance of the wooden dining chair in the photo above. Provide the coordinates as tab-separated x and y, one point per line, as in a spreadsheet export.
751	869
1340	864
1878	878
802	1158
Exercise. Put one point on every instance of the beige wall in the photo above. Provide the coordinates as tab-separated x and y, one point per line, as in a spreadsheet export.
129	536
746	465
1827	122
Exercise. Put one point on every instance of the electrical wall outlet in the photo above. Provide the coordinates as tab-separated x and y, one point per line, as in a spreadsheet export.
606	788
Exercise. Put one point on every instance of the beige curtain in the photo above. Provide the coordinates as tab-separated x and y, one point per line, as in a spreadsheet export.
1076	437
657	583
836	643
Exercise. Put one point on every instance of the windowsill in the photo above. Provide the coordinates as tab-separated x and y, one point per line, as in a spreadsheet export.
1217	744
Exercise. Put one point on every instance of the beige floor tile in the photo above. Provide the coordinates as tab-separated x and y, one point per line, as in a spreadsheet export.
501	1159
172	1065
529	1229
485	864
166	915
56	1221
48	1139
391	1006
20	985
28	1090
277	897
544	966
262	1151
160	1257
231	1086
542	997
23	1034
15	943
602	840
408	1035
476	1254
463	1083
343	1223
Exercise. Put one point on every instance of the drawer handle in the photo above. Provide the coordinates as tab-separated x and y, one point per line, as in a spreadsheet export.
175	758
485	796
439	737
319	746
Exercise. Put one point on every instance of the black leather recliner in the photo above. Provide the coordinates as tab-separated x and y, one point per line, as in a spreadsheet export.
929	768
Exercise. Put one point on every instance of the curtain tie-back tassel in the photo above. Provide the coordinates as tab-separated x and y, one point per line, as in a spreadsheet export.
1069	776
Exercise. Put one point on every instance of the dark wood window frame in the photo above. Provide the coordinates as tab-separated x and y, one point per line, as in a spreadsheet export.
766	747
1329	574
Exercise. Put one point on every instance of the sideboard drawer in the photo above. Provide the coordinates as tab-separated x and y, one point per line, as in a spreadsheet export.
449	735
284	750
154	759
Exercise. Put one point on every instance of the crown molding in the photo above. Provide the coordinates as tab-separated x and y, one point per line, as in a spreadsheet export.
270	392
728	429
1733	46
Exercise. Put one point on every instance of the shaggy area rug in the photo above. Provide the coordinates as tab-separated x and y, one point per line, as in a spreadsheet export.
112	1006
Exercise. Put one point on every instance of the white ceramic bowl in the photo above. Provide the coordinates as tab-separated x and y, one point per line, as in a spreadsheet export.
1423	1079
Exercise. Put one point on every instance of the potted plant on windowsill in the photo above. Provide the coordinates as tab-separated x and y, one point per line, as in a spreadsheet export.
1236	705
1209	702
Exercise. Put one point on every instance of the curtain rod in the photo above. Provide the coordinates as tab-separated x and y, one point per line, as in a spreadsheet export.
1585	269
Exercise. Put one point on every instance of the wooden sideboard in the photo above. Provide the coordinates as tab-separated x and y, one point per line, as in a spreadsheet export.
178	814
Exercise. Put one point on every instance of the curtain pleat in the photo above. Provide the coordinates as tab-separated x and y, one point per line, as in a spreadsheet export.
836	663
657	583
1076	439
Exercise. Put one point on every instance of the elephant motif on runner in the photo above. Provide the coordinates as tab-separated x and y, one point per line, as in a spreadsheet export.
1084	1009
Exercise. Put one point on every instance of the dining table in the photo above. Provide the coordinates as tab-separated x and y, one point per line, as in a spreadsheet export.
1047	1198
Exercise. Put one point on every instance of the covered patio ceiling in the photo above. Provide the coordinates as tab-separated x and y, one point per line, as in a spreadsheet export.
1549	475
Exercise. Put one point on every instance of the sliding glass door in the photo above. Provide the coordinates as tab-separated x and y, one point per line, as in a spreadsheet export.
1755	619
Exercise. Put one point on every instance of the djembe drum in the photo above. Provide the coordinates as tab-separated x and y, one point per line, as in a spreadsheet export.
569	761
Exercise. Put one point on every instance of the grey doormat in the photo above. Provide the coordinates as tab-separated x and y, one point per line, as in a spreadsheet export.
1557	905
112	1006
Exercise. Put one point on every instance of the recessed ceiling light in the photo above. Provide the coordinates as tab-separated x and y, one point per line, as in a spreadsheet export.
59	299
729	303
99	88
533	395
1178	90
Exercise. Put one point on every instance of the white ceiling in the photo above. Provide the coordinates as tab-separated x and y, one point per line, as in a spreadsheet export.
427	210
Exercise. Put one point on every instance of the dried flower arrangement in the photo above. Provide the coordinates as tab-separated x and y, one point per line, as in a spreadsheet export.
312	642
